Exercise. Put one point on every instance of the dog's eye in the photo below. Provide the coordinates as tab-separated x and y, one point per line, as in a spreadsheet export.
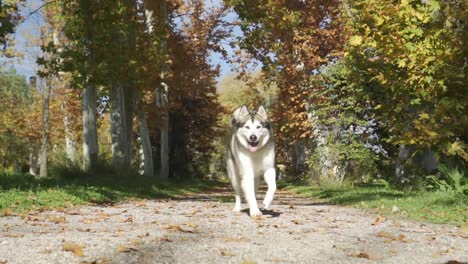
247	127
258	127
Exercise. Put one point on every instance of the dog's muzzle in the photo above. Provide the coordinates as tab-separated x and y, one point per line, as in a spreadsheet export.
252	145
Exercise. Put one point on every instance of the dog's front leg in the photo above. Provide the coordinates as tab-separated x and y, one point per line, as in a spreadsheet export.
248	185
270	179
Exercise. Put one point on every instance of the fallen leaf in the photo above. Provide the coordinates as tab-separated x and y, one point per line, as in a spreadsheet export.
191	224
123	249
144	235
248	262
45	251
7	213
225	253
56	219
360	255
87	221
297	222
367	255
177	228
135	242
165	239
401	238
463	231
129	219
395	209
384	234
14	235
379	219
236	239
75	248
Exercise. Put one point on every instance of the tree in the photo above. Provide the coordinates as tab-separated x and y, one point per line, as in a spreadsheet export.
16	105
414	51
9	17
292	40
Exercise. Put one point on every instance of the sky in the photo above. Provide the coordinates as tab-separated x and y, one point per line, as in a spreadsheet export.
30	27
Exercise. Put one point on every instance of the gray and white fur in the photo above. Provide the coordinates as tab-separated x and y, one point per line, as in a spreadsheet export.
251	154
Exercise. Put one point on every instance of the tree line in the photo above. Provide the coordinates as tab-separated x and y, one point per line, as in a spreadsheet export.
356	88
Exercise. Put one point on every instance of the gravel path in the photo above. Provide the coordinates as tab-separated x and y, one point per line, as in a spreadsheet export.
202	229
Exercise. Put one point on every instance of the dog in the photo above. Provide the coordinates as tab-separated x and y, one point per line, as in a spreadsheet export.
251	154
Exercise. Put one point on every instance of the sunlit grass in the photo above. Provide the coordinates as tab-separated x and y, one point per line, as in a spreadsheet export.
19	193
435	207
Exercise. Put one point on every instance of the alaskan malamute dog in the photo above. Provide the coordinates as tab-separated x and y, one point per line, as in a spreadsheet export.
251	153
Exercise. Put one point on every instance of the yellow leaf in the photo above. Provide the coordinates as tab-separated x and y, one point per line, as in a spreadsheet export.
379	21
76	249
355	40
424	116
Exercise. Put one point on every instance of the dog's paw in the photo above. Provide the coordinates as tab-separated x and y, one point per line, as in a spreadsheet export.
236	209
255	212
266	203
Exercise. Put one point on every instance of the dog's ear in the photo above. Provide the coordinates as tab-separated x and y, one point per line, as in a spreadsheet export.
243	112
239	114
262	112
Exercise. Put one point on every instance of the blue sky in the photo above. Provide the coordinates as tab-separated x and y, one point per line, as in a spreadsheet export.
31	27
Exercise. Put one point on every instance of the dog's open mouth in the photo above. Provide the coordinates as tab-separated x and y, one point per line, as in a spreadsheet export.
252	146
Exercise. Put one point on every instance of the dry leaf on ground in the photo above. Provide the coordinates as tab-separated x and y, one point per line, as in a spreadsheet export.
379	219
177	228
236	239
225	253
75	248
14	235
123	249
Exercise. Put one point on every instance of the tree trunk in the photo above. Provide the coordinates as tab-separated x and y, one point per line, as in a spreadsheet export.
119	128
45	130
163	89
70	142
90	139
299	151
147	153
33	159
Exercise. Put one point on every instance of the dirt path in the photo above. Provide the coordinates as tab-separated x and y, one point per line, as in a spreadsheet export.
202	229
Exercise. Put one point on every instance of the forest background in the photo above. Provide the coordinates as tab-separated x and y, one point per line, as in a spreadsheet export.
358	91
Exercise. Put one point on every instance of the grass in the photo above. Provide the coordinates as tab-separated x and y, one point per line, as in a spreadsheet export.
22	193
436	207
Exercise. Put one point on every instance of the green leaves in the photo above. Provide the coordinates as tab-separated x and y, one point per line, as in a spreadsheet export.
416	59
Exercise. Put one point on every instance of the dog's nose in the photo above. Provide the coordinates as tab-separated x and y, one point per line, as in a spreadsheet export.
253	138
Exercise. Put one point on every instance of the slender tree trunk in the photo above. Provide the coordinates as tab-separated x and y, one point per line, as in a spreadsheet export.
90	138
33	148
118	118
163	89
299	150
70	142
45	130
163	103
122	99
33	158
164	116
147	157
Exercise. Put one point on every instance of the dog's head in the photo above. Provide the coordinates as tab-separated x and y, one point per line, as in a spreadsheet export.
252	127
